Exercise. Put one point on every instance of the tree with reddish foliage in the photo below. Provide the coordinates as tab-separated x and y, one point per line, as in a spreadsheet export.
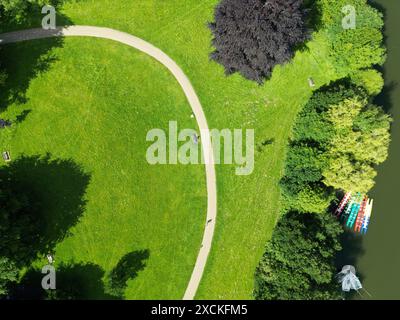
253	36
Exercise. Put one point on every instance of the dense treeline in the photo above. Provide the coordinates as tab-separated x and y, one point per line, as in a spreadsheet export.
338	139
298	262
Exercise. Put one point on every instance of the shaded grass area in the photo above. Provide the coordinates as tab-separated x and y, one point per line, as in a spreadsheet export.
37	62
95	104
80	281
56	190
248	207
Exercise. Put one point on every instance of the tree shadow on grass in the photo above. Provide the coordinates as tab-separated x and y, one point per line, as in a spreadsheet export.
55	190
73	282
21	117
266	142
24	61
127	268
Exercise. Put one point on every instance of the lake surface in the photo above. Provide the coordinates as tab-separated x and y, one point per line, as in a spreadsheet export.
376	255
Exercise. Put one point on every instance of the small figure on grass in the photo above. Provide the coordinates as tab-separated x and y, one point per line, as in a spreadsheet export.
196	138
4	123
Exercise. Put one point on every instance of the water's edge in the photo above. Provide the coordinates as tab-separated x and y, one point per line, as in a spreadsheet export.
376	255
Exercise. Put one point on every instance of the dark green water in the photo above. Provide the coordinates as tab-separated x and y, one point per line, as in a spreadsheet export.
376	255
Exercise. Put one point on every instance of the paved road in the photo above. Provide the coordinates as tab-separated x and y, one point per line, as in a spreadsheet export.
193	100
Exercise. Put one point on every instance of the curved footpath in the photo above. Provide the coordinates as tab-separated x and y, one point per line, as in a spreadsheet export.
192	98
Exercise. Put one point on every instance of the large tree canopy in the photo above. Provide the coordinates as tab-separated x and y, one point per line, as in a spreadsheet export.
252	36
338	139
298	262
353	48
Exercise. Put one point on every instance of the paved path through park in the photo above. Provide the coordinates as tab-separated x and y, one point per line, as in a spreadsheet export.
192	98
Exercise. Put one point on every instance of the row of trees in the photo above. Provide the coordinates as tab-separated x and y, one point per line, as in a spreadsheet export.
338	139
8	268
9	205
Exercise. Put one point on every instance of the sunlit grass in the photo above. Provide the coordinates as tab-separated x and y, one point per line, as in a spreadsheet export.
95	105
248	207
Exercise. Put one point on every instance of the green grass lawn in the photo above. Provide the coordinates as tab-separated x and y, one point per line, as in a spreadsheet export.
248	207
94	105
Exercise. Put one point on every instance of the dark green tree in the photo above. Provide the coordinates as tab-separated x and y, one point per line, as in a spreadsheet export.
304	165
18	226
8	274
299	259
41	199
338	139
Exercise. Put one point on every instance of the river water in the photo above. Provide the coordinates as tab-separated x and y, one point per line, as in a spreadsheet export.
376	255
